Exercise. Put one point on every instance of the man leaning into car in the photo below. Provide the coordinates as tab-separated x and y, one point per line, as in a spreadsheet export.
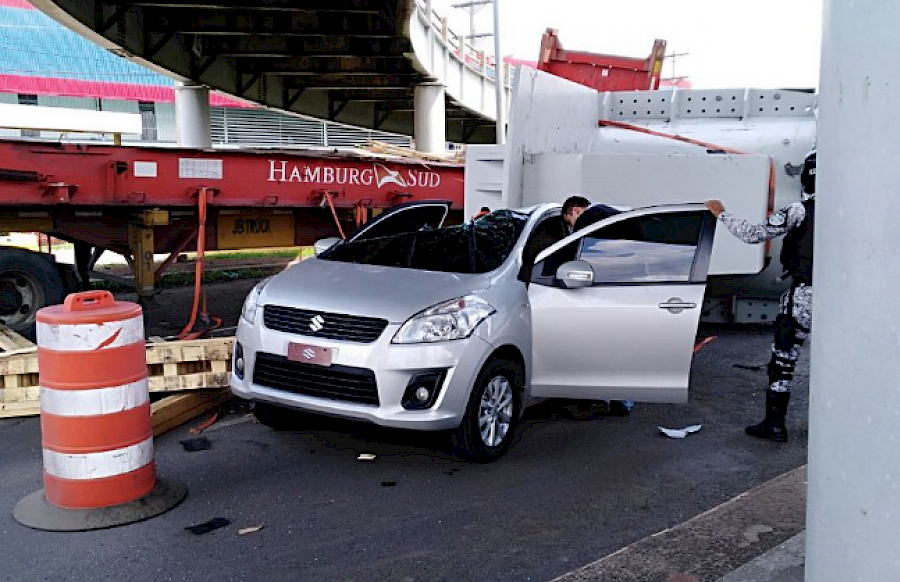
551	231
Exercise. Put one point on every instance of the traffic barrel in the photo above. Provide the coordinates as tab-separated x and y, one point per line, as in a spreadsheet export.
97	435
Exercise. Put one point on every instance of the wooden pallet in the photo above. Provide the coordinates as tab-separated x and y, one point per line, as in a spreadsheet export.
19	392
171	367
11	341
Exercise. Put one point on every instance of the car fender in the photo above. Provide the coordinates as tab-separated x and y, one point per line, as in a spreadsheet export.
509	330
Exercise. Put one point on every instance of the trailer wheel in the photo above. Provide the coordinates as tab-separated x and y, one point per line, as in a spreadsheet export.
28	282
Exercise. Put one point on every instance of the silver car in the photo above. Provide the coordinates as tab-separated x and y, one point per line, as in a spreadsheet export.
411	325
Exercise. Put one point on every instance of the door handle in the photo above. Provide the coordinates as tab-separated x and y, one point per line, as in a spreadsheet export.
677	305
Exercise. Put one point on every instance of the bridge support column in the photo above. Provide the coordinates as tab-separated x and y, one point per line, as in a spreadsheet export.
192	115
854	427
430	118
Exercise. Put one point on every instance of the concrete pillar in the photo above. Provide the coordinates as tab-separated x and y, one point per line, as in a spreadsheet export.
499	78
853	507
430	118
192	115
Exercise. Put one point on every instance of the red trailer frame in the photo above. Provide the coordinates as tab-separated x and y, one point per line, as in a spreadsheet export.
138	201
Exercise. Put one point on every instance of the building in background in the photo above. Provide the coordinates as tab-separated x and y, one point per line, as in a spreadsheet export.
44	63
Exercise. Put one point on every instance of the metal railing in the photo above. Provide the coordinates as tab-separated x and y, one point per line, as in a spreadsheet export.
459	48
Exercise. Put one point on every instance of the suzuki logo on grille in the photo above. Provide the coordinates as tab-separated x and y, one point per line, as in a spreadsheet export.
317	323
309	353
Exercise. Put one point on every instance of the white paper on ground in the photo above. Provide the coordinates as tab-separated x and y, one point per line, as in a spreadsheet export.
679	433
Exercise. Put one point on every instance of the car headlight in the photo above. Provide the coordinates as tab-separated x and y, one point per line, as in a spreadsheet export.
251	303
450	320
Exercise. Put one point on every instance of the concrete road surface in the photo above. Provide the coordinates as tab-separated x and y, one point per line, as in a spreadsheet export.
568	493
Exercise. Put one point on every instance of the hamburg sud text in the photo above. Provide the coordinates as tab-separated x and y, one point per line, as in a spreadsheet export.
378	175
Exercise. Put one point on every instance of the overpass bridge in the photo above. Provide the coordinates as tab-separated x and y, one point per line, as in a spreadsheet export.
391	65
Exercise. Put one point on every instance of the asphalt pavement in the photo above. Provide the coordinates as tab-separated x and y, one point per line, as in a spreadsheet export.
604	499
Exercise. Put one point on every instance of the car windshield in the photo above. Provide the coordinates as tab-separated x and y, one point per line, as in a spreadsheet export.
474	247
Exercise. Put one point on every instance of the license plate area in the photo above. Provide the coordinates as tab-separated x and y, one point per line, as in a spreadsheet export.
309	354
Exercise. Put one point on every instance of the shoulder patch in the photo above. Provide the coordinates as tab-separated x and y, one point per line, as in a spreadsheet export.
777	218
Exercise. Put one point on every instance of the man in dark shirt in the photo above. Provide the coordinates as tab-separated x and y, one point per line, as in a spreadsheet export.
593	214
550	231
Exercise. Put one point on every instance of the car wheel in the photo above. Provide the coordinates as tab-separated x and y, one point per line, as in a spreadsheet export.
492	413
275	417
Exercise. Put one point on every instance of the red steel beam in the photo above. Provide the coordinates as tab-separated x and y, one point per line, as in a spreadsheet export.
36	174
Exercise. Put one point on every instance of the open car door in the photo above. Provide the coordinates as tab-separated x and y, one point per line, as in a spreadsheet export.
615	306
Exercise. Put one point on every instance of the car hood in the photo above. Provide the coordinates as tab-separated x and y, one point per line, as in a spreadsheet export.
368	290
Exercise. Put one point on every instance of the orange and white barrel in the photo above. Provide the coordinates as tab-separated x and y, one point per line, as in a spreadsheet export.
97	435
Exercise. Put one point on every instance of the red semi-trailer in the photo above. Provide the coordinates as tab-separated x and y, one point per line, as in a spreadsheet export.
140	201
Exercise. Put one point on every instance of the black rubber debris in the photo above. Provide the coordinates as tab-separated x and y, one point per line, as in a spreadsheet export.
197	444
750	366
202	528
388	483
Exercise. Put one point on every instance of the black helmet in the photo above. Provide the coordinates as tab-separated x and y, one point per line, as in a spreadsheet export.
808	173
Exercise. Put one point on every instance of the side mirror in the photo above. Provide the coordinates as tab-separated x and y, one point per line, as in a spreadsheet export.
575	274
323	244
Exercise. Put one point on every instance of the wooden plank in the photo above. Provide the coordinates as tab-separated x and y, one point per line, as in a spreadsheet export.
175	410
11	409
26	394
189	382
19	363
380	147
190	350
10	340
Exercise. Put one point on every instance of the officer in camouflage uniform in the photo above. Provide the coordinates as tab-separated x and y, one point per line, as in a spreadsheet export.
792	325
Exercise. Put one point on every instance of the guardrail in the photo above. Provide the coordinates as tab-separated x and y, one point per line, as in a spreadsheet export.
467	72
463	51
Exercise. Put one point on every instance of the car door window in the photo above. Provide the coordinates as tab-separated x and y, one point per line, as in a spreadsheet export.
405	218
651	248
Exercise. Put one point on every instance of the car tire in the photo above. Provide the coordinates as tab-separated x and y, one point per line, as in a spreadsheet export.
492	413
275	417
28	282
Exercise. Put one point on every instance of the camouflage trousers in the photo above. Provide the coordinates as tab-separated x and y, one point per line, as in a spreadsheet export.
792	327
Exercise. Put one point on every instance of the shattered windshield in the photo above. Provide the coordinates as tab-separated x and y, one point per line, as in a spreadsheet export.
474	247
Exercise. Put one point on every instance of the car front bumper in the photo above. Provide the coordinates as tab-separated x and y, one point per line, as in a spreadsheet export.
393	366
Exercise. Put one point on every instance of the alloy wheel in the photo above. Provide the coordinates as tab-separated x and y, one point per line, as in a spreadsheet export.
495	411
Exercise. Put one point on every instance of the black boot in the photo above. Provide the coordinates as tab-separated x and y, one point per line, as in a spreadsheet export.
772	427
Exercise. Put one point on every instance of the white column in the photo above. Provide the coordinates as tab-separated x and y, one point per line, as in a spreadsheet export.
192	115
853	508
499	78
430	118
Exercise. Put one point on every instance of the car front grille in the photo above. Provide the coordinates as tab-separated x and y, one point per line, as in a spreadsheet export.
335	382
311	323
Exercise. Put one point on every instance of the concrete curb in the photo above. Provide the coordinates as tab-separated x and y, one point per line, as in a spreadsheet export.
713	543
784	563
